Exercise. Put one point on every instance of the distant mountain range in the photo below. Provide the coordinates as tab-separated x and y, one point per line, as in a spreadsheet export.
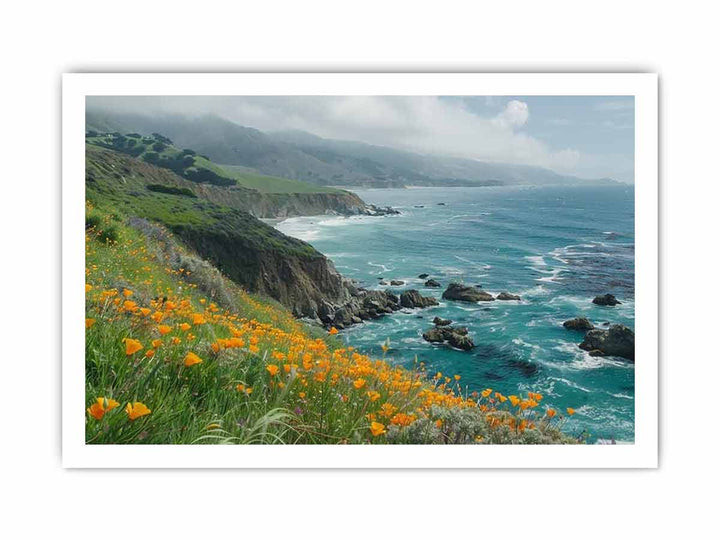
299	155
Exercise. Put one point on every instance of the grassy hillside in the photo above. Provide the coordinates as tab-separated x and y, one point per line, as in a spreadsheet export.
177	353
159	150
136	190
272	184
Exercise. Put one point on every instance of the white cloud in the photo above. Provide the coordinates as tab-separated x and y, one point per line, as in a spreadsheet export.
516	114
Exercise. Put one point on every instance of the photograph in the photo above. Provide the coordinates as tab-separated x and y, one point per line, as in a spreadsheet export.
359	269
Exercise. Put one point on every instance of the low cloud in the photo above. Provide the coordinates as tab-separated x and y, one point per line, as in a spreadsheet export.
425	124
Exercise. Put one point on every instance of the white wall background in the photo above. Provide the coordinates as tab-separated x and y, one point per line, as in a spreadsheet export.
40	41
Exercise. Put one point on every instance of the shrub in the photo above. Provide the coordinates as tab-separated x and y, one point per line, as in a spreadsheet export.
93	221
101	228
207	176
151	157
162	138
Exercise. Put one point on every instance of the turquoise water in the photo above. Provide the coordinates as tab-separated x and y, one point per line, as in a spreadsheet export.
557	247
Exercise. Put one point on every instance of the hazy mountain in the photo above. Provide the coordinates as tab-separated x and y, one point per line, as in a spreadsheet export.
303	156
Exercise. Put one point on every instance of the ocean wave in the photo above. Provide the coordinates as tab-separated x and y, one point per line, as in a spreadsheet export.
570	383
383	268
582	360
537	260
532	292
552	277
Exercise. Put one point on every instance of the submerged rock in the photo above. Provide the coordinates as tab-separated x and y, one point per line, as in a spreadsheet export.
413	299
423	276
507	296
578	323
618	340
396	282
465	293
606	300
432	283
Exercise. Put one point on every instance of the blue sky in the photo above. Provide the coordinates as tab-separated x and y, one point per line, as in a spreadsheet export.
600	128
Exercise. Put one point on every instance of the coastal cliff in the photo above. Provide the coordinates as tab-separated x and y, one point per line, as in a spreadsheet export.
215	223
283	205
260	196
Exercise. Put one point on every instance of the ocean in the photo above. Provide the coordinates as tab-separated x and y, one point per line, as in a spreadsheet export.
556	247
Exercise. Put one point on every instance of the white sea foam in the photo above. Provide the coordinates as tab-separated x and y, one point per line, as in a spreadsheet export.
570	383
537	260
521	342
552	277
623	396
582	359
539	290
382	267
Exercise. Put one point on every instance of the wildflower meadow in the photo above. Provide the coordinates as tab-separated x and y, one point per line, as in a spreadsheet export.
174	358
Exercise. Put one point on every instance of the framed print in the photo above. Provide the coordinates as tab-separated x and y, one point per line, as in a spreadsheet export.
411	270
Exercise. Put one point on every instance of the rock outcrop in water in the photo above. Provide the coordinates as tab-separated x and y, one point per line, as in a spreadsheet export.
606	300
433	283
413	299
437	321
373	210
507	296
362	304
578	323
465	293
618	340
455	336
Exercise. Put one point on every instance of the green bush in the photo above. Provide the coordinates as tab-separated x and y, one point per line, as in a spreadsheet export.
93	221
109	234
151	157
103	230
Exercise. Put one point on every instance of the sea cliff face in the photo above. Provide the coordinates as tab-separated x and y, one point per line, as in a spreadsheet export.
301	281
283	205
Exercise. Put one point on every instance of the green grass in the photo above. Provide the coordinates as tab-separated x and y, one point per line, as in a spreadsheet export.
272	184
